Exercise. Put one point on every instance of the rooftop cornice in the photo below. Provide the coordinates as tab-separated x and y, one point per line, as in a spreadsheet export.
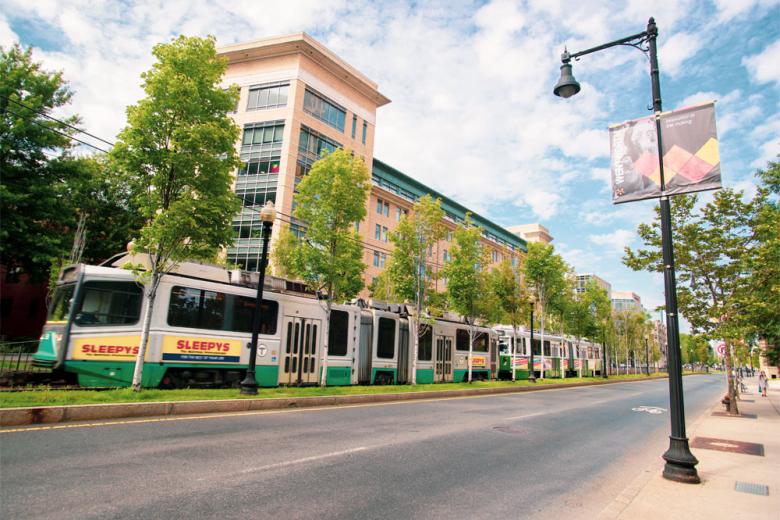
302	43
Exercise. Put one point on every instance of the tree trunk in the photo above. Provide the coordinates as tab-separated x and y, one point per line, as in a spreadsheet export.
325	338
514	351
732	391
139	360
414	330
541	351
471	347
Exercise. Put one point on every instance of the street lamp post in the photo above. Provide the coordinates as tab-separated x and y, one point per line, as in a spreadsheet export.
680	462
604	366
249	384
531	375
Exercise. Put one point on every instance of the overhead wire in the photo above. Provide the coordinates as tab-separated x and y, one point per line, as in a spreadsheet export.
63	134
44	114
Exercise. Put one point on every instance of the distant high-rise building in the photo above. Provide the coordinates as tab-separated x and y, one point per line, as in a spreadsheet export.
626	300
584	279
532	233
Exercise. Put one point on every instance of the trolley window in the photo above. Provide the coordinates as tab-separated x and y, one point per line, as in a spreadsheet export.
108	303
547	349
462	341
385	341
425	352
338	335
202	309
60	305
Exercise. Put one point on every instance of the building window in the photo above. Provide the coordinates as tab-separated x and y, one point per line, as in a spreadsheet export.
365	131
357	227
310	147
376	258
377	232
446	256
324	109
379	206
384	234
271	95
387	209
382	259
398	214
514	261
494	255
449	236
354	125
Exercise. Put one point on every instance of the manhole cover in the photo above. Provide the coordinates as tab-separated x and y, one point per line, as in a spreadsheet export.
742	415
747	448
509	429
749	487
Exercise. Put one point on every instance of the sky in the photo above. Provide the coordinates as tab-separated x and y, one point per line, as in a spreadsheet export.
472	113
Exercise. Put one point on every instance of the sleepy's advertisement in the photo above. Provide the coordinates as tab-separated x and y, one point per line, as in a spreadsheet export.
106	348
201	350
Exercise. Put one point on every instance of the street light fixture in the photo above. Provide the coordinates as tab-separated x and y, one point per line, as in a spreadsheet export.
249	384
531	374
680	462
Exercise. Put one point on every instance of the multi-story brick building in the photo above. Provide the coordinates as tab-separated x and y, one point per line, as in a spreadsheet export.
298	98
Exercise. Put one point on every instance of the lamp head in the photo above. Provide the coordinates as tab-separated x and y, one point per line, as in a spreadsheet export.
567	86
268	213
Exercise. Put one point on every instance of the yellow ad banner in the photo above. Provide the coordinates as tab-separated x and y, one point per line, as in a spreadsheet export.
478	361
202	350
106	348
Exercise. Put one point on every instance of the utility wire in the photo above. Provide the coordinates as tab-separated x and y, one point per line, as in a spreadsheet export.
44	114
33	121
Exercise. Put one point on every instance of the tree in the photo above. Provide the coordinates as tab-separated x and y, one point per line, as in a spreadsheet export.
467	288
330	199
511	298
177	153
761	299
34	164
410	276
545	273
710	245
600	306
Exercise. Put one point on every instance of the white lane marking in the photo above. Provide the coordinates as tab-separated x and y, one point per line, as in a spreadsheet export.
652	410
303	460
526	416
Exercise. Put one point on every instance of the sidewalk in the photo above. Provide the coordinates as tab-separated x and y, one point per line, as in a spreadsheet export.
651	496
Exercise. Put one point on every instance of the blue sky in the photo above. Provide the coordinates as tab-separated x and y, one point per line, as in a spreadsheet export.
472	112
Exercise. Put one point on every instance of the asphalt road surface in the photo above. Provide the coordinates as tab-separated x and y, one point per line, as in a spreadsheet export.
534	455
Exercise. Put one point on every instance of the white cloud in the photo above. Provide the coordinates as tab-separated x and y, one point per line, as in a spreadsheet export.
764	67
678	48
615	241
729	9
7	36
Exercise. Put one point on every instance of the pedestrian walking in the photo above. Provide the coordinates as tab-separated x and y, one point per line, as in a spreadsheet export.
762	383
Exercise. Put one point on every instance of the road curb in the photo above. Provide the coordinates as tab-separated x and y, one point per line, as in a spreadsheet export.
90	412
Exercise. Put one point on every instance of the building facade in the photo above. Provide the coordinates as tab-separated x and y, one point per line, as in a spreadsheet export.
626	301
532	233
297	98
584	279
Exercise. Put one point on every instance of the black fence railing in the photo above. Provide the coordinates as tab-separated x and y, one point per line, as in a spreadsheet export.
17	357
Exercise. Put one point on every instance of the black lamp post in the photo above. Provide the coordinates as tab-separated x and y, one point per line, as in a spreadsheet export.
604	366
680	462
531	374
249	384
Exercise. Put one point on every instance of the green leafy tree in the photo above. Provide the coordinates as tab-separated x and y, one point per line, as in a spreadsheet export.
545	275
467	287
511	299
581	313
330	199
35	164
409	273
177	153
761	299
600	307
710	245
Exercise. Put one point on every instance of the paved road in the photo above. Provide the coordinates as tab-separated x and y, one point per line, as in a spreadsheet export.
523	455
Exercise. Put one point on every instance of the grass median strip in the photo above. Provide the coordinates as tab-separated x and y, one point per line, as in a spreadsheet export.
53	397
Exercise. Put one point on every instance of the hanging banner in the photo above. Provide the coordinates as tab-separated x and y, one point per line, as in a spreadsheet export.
690	152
